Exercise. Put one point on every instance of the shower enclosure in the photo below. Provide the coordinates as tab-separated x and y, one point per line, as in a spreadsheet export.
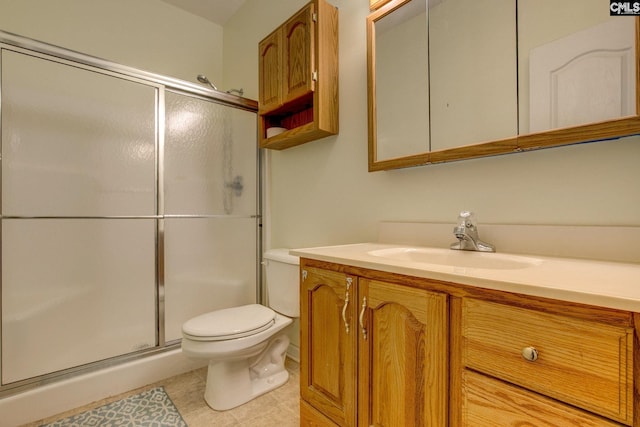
130	203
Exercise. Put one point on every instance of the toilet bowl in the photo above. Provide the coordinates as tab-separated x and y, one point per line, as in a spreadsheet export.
246	346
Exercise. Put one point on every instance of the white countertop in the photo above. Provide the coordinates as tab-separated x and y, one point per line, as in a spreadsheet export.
599	283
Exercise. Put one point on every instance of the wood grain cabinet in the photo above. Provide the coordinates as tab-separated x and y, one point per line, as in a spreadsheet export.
386	349
298	78
563	363
372	352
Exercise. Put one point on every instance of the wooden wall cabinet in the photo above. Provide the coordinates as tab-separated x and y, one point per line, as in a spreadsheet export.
381	348
371	352
298	78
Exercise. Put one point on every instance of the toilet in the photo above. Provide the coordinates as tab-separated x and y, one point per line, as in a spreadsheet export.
246	346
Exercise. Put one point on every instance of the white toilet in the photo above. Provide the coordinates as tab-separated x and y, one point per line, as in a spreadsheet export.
246	345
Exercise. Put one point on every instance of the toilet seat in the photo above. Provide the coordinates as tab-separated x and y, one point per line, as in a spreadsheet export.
230	323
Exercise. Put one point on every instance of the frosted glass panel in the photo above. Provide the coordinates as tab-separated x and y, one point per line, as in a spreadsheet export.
210	263
75	291
75	142
210	158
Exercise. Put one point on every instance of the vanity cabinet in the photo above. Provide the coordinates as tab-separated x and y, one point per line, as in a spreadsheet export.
382	348
298	78
579	361
372	351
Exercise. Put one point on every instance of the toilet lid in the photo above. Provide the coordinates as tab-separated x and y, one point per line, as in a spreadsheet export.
230	323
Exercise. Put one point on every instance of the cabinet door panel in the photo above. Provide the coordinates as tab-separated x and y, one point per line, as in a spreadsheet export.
270	71
402	361
298	42
328	351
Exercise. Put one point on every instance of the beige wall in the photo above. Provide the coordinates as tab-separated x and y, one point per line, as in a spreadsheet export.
146	34
321	192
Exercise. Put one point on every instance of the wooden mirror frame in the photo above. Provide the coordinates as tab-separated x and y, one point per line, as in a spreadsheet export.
592	132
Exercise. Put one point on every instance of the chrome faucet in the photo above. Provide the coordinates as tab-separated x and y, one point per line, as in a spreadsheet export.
467	234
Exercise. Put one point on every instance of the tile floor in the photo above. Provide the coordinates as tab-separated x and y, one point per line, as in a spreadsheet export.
279	408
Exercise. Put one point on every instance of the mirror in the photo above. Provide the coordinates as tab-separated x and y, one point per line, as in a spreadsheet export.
573	68
473	79
456	79
402	110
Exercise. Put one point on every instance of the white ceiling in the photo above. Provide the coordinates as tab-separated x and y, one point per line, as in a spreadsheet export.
216	11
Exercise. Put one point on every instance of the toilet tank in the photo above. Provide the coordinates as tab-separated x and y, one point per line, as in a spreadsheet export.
283	287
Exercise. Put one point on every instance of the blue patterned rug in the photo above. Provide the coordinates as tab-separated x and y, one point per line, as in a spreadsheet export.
152	408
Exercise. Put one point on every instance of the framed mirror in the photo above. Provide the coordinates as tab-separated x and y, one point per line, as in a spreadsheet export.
472	56
577	72
399	102
457	79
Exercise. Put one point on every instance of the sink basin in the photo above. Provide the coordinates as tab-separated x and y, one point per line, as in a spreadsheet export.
459	259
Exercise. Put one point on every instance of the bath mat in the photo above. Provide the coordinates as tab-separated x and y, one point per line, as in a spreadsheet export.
152	408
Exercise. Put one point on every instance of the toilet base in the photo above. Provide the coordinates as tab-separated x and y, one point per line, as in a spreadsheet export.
235	382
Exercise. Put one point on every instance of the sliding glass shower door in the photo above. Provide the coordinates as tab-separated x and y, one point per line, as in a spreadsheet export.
210	208
127	208
78	216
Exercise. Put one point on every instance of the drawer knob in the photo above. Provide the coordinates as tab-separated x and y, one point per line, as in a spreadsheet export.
530	354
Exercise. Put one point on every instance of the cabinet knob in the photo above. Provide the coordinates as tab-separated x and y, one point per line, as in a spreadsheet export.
530	354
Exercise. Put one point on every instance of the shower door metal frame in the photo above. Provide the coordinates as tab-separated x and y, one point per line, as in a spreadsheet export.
161	84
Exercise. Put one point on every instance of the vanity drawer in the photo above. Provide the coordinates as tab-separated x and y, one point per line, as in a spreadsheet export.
587	364
487	402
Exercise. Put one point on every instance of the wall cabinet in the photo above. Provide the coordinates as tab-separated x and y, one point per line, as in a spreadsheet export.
298	78
380	348
372	352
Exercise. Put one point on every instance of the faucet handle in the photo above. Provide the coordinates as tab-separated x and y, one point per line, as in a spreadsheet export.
467	234
467	219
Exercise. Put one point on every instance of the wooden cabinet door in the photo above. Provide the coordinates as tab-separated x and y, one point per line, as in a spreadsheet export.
270	64
328	339
298	40
403	356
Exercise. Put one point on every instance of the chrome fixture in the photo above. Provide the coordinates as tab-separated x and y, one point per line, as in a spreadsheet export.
236	185
467	234
530	354
203	79
240	91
